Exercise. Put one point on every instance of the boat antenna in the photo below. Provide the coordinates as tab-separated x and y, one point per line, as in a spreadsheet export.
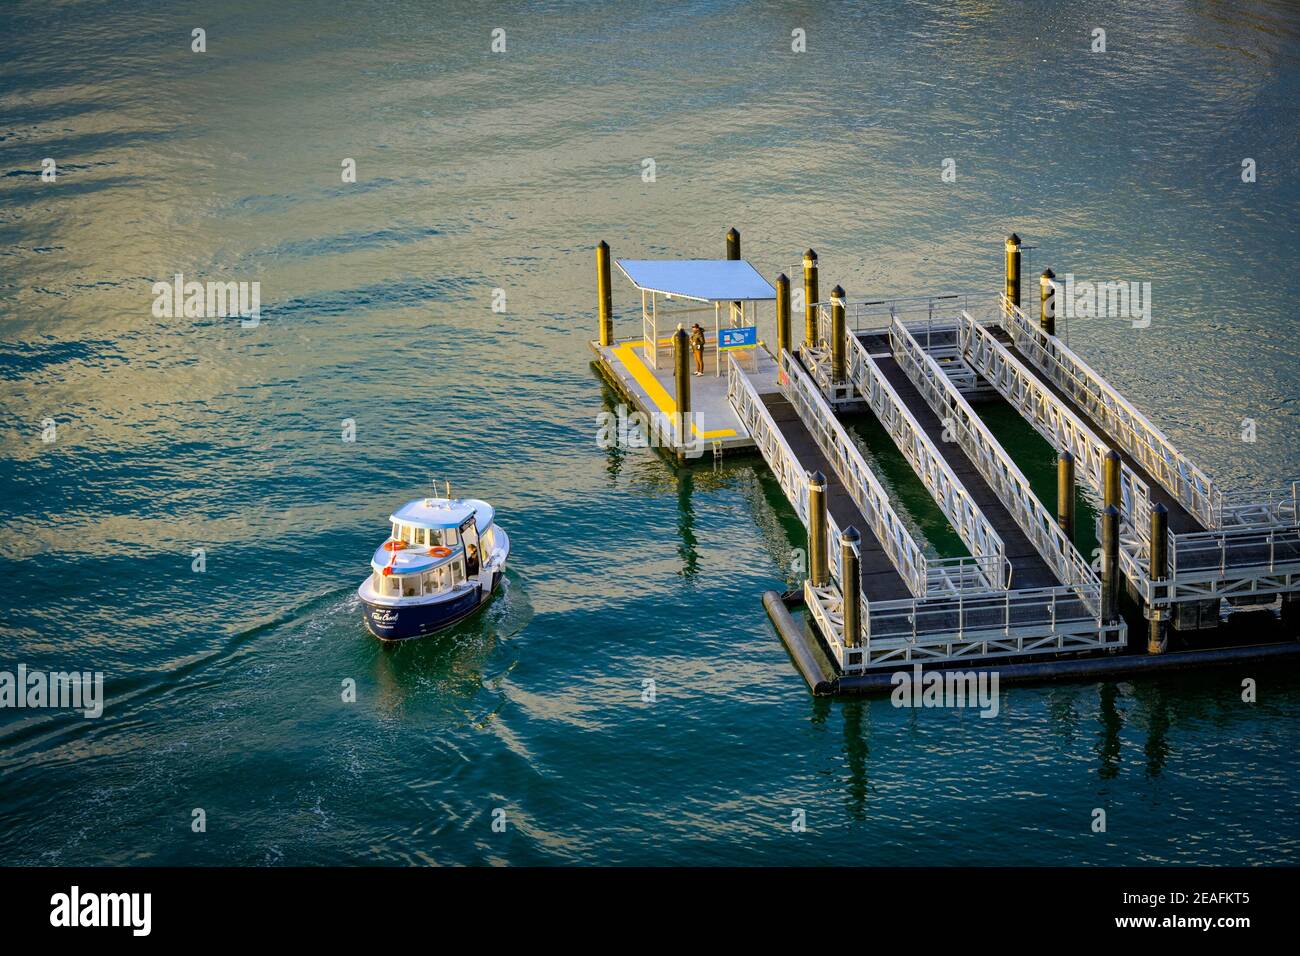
448	484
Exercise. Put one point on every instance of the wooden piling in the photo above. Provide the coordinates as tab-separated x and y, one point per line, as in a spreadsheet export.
818	572
810	299
1047	305
1110	571
733	249
839	339
782	316
682	383
603	297
1110	480
1159	571
733	243
851	585
1065	493
1013	269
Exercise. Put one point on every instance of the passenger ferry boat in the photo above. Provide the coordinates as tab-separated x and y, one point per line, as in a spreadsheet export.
443	561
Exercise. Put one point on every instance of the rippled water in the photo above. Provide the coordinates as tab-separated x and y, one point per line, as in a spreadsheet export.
479	171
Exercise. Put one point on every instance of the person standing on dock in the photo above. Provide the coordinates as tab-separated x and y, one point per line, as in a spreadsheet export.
697	346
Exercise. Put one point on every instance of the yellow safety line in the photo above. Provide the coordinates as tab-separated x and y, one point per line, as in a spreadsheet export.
625	353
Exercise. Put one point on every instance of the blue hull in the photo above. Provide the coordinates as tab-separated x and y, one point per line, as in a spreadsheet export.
420	620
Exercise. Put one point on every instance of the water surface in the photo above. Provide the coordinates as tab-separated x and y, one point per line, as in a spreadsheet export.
481	171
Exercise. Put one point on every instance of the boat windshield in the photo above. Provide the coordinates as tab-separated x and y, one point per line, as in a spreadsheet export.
423	537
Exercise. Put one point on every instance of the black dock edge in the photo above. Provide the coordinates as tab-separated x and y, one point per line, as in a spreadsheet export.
1091	668
796	642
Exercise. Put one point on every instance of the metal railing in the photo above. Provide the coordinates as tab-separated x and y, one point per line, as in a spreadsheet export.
996	466
1054	420
959	626
1049	610
753	414
936	311
1227	553
975	530
790	473
1123	423
1278	507
907	557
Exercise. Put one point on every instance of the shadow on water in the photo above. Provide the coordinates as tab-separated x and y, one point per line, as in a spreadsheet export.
457	661
857	754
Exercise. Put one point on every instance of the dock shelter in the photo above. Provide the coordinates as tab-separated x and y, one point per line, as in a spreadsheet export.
691	286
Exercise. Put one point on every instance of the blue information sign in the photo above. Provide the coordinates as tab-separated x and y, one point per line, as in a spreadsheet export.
745	338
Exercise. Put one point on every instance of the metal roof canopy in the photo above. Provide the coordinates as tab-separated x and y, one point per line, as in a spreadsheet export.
711	281
704	280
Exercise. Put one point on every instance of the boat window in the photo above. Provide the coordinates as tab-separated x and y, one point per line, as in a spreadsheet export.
452	537
397	531
394	585
488	541
420	536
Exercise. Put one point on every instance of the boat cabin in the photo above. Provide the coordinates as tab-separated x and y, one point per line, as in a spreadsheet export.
442	544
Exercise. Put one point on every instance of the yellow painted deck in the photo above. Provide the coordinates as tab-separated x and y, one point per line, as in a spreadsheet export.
651	390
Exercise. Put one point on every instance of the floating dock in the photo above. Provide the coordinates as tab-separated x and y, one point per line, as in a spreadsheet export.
1024	599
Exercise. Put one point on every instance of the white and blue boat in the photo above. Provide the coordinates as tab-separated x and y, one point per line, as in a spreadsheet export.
443	561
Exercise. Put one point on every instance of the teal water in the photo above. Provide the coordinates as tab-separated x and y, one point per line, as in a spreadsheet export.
480	171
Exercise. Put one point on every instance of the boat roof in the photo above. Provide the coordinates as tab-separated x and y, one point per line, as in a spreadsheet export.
705	280
408	561
444	513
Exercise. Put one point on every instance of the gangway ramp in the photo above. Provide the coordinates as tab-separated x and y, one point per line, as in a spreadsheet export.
926	574
950	623
1054	368
1242	551
880	579
983	350
930	465
1029	567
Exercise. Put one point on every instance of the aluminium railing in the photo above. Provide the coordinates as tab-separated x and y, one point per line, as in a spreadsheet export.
996	466
790	473
975	530
1054	420
906	555
1123	423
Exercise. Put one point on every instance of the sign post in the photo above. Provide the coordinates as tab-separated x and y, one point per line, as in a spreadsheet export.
744	338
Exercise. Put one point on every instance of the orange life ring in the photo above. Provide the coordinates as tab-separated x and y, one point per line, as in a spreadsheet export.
394	545
438	551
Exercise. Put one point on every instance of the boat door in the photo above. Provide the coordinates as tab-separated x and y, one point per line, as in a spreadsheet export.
473	558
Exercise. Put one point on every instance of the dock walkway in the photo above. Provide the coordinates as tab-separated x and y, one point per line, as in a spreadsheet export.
880	579
1181	521
1028	568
